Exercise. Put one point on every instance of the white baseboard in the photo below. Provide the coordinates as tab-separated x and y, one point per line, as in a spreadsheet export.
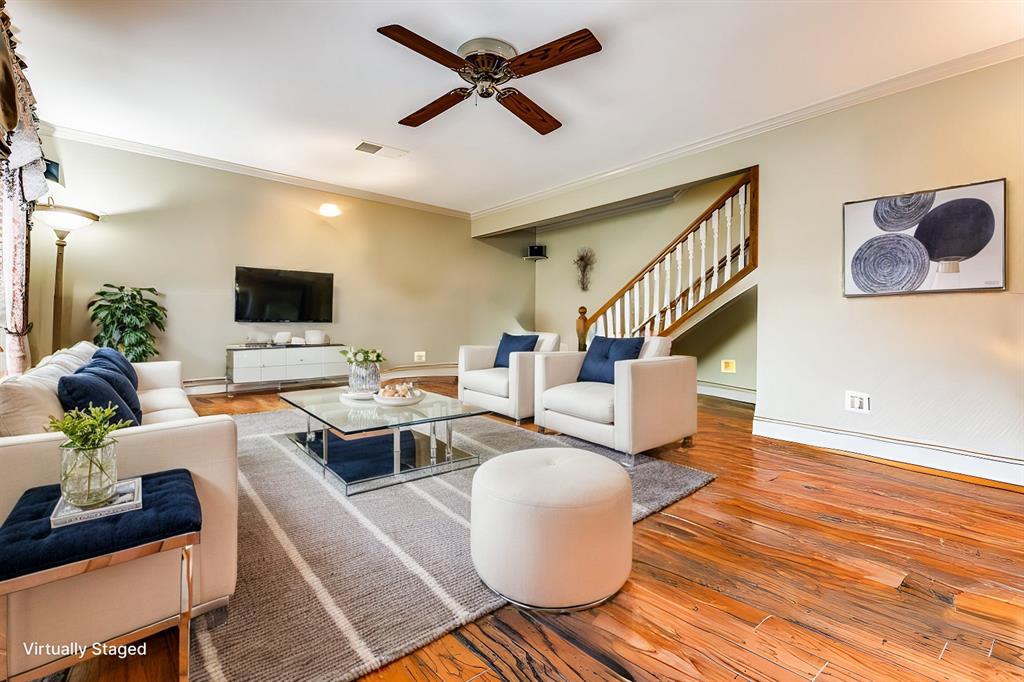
215	385
743	395
964	462
436	369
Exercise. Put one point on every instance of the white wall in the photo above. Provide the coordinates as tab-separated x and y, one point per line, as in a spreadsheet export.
945	371
405	279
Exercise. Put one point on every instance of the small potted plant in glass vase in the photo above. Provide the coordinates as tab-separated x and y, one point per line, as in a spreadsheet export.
364	369
88	458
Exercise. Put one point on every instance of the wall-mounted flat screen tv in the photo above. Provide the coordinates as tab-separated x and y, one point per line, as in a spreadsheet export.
263	295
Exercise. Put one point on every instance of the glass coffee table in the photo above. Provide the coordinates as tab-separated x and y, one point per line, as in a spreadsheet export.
343	435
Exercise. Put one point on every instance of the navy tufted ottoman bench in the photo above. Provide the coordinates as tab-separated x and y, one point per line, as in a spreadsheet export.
33	554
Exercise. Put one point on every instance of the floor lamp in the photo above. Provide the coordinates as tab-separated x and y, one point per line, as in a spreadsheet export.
64	220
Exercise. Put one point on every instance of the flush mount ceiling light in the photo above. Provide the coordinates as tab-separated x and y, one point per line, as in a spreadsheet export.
64	218
330	210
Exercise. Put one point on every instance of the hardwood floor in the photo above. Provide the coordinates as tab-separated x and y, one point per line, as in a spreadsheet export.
794	564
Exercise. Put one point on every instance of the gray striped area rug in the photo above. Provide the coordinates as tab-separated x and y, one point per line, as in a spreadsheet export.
332	587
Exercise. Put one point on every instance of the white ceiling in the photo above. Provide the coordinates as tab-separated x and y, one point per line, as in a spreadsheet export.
292	87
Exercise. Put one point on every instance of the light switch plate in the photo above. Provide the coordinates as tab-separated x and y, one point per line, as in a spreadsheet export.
728	366
419	356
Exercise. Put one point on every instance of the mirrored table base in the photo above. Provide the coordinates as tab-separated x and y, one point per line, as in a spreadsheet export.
385	458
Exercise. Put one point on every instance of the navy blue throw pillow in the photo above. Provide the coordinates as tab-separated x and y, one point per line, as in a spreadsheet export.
80	391
104	369
121	362
514	344
599	363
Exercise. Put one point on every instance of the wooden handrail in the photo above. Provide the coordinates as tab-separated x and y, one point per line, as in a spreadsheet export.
662	314
746	177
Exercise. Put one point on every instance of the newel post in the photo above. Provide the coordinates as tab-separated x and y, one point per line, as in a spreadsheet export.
581	329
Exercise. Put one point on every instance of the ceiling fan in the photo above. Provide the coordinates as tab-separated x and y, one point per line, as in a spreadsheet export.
486	63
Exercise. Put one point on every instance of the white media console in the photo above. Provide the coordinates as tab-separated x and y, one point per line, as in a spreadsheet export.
274	364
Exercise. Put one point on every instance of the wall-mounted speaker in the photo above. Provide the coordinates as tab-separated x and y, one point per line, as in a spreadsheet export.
536	252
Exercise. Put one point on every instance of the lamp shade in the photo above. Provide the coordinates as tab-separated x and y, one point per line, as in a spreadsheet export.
64	218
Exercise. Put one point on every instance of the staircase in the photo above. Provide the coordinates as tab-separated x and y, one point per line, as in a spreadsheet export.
708	258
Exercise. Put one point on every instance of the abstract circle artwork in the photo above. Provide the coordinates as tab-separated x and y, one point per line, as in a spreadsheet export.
948	239
957	230
890	263
894	214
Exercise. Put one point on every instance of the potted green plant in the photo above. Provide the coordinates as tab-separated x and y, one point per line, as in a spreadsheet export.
88	458
364	369
125	316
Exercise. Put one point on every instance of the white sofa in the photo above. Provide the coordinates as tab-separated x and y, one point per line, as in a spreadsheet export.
505	390
652	402
102	604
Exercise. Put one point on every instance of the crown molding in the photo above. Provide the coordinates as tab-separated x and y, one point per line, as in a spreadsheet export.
908	81
62	133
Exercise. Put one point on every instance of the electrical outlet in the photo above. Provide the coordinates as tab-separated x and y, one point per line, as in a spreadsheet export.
858	402
728	366
419	356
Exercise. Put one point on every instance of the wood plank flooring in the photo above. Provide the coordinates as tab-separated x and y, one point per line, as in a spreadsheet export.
794	564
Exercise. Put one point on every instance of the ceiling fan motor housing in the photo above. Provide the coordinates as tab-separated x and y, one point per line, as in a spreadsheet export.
489	58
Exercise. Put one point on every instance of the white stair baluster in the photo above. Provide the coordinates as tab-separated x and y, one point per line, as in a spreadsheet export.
743	226
714	251
609	323
728	238
703	234
679	280
647	295
636	308
600	327
619	322
668	288
628	331
656	301
689	279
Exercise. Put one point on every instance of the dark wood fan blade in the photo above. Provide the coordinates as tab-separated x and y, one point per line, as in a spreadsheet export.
438	106
418	43
573	46
528	111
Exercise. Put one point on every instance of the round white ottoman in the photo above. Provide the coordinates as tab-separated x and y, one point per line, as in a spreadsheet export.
552	528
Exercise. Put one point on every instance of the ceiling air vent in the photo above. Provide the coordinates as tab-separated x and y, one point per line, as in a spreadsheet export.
380	150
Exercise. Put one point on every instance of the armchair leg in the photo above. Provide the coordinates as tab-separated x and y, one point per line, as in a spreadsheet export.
688	442
519	422
541	430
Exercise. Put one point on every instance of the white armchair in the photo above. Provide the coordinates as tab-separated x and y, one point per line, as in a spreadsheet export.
652	402
505	390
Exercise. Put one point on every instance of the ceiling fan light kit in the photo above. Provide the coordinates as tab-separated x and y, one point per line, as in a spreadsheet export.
486	64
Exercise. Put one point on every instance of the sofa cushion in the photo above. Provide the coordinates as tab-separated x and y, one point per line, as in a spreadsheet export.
493	381
70	358
121	362
28	401
81	391
603	353
157	399
169	415
524	343
104	369
590	400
